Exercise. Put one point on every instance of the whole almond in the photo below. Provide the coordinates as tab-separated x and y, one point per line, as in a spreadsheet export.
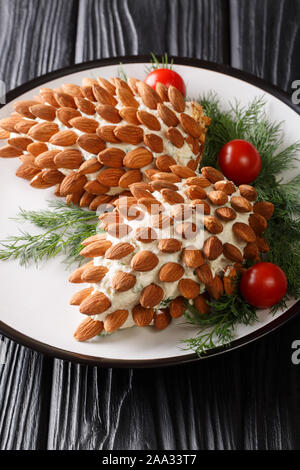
140	191
128	113
215	287
86	199
145	234
43	111
187	230
188	288
232	252
212	224
47	96
118	230
176	99
198	181
142	316
64	99
72	89
36	148
175	137
195	192
229	280
154	142
8	124
96	188
20	142
85	106
248	192
43	131
90	166
148	120
4	134
169	245
212	248
27	171
240	204
72	183
225	213
149	97
97	248
251	251
204	274
163	176
163	162
118	251
225	186
159	185
84	124
8	151
177	307
79	296
103	96
258	223
201	305
167	115
243	232
23	108
126	97
264	208
110	176
162	91
23	126
190	125
114	321
106	133
74	198
205	206
88	329
122	282
94	274
212	174
262	244
162	319
91	143
63	138
101	200
52	176
144	261
192	257
95	304
152	206
112	157
171	197
109	113
171	272
132	82
94	238
151	296
138	158
182	171
218	198
87	91
107	85
130	177
64	115
129	133
161	221
70	159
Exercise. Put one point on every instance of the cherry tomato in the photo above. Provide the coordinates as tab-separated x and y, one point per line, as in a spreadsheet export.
240	161
167	77
263	285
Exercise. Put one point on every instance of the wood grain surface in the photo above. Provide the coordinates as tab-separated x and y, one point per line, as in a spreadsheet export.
246	399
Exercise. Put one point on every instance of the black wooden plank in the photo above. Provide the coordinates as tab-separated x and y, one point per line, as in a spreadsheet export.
195	28
25	387
37	36
265	39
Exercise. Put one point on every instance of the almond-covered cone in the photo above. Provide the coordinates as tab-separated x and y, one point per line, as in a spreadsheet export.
179	238
92	141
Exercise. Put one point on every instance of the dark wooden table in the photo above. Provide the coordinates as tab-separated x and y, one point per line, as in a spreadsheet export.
247	399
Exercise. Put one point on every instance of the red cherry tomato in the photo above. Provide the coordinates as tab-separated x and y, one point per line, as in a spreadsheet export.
263	285
167	77
240	161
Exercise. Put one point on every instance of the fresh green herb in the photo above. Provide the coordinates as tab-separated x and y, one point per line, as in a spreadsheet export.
283	232
217	327
163	64
64	228
121	73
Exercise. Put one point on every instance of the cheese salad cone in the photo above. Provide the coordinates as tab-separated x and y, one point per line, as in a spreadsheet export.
93	141
180	237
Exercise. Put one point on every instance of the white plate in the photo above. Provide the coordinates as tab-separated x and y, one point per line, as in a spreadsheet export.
34	308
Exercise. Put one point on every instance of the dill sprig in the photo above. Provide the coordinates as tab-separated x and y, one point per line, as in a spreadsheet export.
164	63
283	232
64	228
217	327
